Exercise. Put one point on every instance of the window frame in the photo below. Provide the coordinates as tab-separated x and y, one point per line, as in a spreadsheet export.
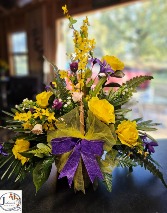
12	54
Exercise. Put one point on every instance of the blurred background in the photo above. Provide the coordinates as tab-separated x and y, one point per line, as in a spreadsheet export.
133	30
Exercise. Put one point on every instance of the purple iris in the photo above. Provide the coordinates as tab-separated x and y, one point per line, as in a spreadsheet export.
2	151
57	104
95	61
149	146
104	67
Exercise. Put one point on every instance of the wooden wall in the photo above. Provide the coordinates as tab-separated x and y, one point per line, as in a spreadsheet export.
38	20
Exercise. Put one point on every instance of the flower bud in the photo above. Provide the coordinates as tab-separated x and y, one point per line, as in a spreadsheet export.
77	96
37	129
74	66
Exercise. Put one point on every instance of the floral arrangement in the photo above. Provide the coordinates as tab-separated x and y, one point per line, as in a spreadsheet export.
79	123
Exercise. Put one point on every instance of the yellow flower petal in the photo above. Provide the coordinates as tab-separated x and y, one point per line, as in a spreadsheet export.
114	62
21	145
127	133
102	109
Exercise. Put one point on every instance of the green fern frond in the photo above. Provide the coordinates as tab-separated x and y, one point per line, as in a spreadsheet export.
147	125
125	161
108	181
125	92
152	168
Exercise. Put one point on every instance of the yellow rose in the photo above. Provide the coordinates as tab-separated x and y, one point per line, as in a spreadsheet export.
127	133
21	145
43	98
102	109
114	62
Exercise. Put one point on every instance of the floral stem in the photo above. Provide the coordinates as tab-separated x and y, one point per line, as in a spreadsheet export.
82	125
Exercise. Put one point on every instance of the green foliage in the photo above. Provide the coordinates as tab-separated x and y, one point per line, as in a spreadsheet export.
124	160
146	125
7	113
99	86
118	74
41	151
120	113
42	172
147	164
72	21
113	84
61	90
11	167
125	92
108	181
88	73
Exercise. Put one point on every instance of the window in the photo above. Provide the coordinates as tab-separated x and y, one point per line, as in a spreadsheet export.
18	54
137	34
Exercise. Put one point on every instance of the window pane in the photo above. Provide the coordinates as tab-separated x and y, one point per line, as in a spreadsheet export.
19	42
20	65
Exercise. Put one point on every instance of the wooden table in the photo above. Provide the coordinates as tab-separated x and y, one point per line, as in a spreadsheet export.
140	192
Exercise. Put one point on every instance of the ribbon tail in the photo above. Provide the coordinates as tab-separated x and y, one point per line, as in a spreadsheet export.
92	166
78	179
71	166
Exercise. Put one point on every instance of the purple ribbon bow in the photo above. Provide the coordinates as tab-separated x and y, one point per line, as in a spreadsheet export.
82	148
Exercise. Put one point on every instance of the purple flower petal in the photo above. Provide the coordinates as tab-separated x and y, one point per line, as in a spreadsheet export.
153	143
2	152
151	148
57	104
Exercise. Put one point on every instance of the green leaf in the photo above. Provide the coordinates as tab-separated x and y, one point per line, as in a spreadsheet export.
16	164
118	74
99	86
108	181
113	84
14	110
41	151
42	172
90	83
72	21
7	113
88	73
8	169
12	167
6	160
